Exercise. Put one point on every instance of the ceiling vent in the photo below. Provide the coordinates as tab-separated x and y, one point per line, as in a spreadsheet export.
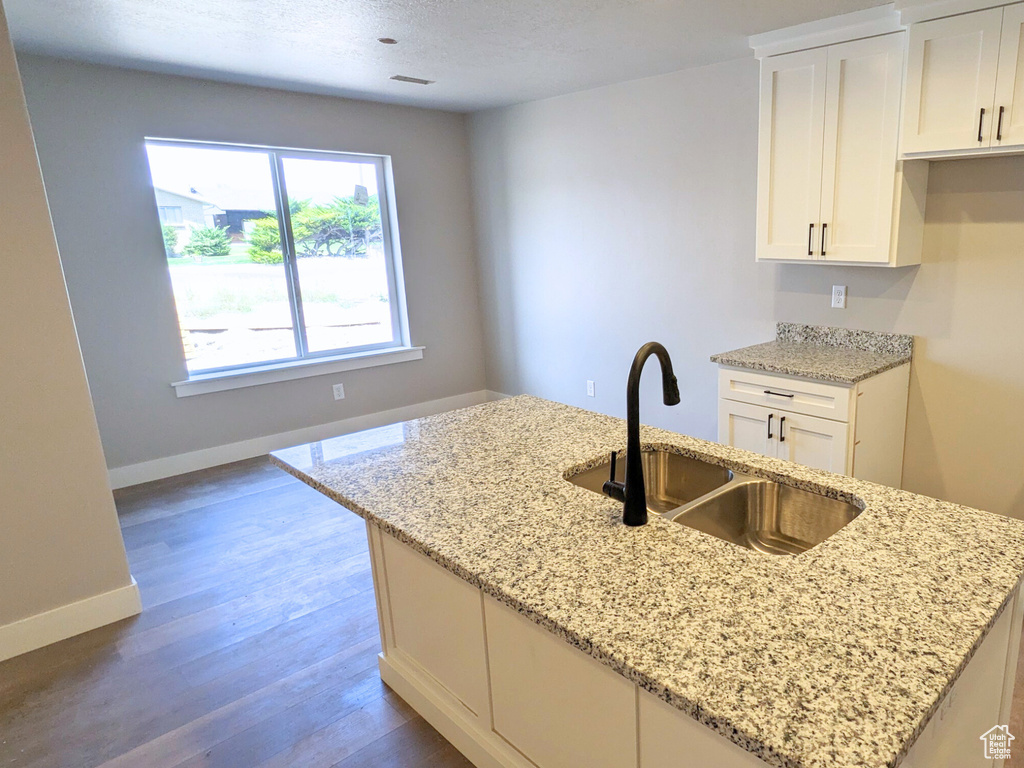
416	80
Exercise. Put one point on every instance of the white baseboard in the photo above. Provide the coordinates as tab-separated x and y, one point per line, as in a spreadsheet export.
157	469
49	627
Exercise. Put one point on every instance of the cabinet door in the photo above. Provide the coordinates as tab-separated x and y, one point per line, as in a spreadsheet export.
862	108
789	154
951	77
1009	106
813	442
745	426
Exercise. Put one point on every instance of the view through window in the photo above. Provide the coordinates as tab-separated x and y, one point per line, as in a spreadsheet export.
274	254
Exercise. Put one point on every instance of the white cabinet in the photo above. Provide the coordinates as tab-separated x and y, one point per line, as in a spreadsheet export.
436	624
965	84
807	440
1009	105
854	430
789	154
829	185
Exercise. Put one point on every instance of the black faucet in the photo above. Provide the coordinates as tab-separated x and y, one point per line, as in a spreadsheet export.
632	493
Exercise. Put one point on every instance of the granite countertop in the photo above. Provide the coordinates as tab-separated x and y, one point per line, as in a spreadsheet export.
823	353
835	657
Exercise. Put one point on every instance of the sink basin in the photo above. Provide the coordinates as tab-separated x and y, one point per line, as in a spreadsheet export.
768	517
670	480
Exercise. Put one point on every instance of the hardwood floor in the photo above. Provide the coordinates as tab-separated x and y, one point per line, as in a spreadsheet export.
256	647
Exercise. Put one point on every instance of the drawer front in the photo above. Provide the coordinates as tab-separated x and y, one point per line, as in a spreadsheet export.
813	398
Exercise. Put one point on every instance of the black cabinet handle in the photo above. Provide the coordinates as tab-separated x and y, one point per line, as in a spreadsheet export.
782	424
770	415
981	120
823	228
810	241
777	394
999	127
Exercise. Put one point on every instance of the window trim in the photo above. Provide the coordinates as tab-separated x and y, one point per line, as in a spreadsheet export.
401	340
272	373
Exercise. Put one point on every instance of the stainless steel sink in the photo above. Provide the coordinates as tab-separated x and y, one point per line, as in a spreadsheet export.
761	515
670	480
767	517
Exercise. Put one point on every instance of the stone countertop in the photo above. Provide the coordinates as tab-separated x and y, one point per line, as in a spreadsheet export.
823	353
835	657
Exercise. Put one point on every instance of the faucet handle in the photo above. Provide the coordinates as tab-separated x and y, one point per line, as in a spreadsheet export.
612	488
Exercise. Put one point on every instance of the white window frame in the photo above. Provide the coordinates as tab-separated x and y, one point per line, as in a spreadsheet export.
306	363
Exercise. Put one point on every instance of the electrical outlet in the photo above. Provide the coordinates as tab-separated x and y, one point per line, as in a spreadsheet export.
838	297
339	391
590	388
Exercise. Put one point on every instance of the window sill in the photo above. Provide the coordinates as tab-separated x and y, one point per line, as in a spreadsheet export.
205	383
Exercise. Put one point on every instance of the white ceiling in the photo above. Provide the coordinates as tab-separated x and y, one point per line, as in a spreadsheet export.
481	53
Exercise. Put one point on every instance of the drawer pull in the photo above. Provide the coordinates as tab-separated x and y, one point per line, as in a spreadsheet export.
777	394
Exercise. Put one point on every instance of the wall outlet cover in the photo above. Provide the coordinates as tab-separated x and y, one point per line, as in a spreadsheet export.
839	297
339	391
590	388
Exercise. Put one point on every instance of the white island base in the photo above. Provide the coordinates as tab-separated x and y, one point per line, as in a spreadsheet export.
509	694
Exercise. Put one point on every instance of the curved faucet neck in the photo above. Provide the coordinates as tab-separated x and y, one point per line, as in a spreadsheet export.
635	506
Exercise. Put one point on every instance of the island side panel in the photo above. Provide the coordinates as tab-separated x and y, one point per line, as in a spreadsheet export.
975	703
671	739
554	703
436	623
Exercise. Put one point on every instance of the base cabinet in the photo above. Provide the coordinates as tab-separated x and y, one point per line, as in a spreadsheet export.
856	430
509	694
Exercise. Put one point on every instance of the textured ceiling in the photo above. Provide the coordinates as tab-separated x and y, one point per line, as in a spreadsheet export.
481	53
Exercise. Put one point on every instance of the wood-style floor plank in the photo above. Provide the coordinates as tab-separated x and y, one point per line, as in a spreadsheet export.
256	647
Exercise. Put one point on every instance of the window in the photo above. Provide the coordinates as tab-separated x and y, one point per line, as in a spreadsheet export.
276	255
171	214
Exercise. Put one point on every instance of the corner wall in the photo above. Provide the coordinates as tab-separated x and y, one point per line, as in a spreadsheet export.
62	562
90	123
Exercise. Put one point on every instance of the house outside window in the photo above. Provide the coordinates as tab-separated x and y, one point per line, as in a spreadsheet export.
171	214
276	255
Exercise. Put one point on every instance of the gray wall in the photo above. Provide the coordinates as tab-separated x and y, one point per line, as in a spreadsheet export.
623	214
90	122
60	542
616	216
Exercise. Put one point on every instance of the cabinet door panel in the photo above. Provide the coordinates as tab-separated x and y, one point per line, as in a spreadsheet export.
437	620
1010	83
951	76
745	426
862	107
789	153
555	704
813	442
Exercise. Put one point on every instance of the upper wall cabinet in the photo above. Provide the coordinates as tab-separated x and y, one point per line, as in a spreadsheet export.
830	189
965	84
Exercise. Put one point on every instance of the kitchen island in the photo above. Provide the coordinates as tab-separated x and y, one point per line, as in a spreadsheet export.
839	656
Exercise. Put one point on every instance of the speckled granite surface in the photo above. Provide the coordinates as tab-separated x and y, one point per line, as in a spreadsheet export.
823	353
835	657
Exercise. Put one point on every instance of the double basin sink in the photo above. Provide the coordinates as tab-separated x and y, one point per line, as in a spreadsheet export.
750	512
